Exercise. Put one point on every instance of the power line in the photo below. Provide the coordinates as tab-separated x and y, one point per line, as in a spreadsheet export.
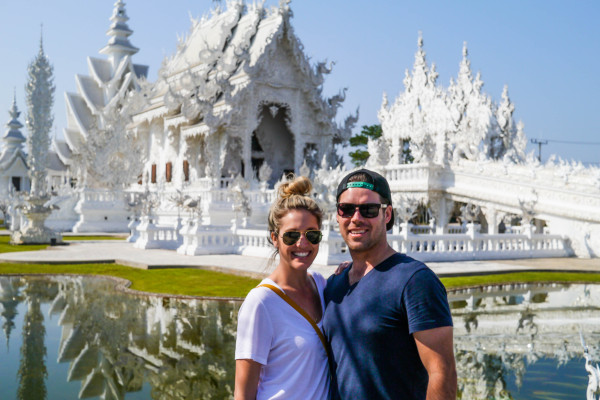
570	142
539	143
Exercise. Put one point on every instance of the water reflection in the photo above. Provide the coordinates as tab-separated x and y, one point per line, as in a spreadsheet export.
504	333
115	343
513	341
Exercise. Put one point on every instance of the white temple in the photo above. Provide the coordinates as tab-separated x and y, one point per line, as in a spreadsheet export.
238	99
13	158
188	162
470	166
98	150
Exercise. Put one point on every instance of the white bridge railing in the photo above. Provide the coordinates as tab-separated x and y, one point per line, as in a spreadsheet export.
196	239
463	247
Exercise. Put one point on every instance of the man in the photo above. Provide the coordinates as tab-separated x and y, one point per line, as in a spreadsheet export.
387	317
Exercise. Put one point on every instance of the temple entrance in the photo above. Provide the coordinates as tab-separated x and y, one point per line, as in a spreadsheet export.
273	142
16	182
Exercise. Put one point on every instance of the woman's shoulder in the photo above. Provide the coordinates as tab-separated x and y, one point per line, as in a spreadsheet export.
261	294
319	279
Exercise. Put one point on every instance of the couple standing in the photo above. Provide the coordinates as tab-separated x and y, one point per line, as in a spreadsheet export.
385	318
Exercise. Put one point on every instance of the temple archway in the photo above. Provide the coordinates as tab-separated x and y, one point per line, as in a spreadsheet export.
272	141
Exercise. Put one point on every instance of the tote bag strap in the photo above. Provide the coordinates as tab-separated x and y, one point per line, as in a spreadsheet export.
300	311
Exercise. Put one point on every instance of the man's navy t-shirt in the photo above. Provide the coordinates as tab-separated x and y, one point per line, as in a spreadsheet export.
369	326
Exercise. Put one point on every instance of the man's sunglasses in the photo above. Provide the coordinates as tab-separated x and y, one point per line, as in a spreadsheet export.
368	210
291	237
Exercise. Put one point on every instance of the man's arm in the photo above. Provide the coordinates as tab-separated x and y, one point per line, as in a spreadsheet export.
436	350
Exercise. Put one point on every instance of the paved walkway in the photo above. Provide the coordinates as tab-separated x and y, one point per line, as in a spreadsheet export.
124	253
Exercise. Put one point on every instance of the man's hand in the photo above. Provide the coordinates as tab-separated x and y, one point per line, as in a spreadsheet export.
436	350
342	267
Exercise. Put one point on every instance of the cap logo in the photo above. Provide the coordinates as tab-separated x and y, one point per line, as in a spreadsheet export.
365	185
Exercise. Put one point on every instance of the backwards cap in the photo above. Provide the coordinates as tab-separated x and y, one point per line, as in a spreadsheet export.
374	182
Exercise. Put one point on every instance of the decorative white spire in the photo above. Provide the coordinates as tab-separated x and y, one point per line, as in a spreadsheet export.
40	98
118	45
13	133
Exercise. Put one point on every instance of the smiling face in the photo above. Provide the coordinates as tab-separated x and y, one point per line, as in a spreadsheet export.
301	254
363	234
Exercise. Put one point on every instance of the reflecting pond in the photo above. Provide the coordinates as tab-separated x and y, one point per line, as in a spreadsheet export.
68	337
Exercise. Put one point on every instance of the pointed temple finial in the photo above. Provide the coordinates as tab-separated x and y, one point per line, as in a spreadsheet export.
465	52
118	45
420	40
41	51
14	112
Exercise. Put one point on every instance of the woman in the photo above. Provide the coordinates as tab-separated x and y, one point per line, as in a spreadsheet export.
279	352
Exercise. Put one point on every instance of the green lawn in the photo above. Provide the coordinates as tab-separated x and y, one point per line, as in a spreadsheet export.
6	247
91	237
197	282
185	281
519	277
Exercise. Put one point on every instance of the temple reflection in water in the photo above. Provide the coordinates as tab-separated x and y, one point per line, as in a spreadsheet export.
113	345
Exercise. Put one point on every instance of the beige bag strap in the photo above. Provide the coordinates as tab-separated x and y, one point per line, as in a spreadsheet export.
300	311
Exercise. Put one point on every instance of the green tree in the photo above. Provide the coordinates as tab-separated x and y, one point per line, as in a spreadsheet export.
361	155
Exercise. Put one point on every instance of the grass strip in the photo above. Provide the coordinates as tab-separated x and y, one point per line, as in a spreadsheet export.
91	237
519	277
6	247
176	281
198	282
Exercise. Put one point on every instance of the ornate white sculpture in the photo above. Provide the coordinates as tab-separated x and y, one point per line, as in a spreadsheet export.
40	93
593	389
241	202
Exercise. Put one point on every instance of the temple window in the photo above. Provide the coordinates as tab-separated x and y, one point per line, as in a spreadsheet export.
186	171
153	175
169	171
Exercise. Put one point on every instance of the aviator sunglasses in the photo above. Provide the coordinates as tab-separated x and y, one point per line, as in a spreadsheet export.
368	210
291	237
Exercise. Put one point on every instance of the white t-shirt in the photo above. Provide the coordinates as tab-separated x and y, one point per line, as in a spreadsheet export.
275	335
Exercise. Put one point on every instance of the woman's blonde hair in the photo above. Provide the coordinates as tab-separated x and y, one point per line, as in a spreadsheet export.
293	195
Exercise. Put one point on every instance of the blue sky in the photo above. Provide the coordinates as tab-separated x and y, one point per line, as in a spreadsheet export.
548	52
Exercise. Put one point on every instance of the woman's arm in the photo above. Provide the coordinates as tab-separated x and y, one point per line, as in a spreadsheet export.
247	373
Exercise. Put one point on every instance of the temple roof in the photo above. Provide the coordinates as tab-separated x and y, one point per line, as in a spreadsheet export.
227	52
54	162
8	158
62	151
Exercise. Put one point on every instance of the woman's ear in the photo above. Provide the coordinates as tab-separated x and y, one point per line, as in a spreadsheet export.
274	240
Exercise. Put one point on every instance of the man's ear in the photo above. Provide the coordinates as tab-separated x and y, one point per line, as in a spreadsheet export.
388	214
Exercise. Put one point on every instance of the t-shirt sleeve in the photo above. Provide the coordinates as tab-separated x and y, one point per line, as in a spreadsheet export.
426	302
254	330
319	281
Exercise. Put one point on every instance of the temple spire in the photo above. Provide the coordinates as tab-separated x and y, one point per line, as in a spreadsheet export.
13	136
118	45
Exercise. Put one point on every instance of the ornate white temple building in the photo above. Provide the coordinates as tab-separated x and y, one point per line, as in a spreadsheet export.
189	162
13	159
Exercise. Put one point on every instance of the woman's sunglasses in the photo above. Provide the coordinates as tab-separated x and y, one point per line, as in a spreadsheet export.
368	210
291	237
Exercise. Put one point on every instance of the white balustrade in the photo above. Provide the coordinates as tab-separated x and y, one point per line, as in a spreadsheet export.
461	247
407	172
152	236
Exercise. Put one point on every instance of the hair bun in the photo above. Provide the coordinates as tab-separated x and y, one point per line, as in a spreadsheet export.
296	186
